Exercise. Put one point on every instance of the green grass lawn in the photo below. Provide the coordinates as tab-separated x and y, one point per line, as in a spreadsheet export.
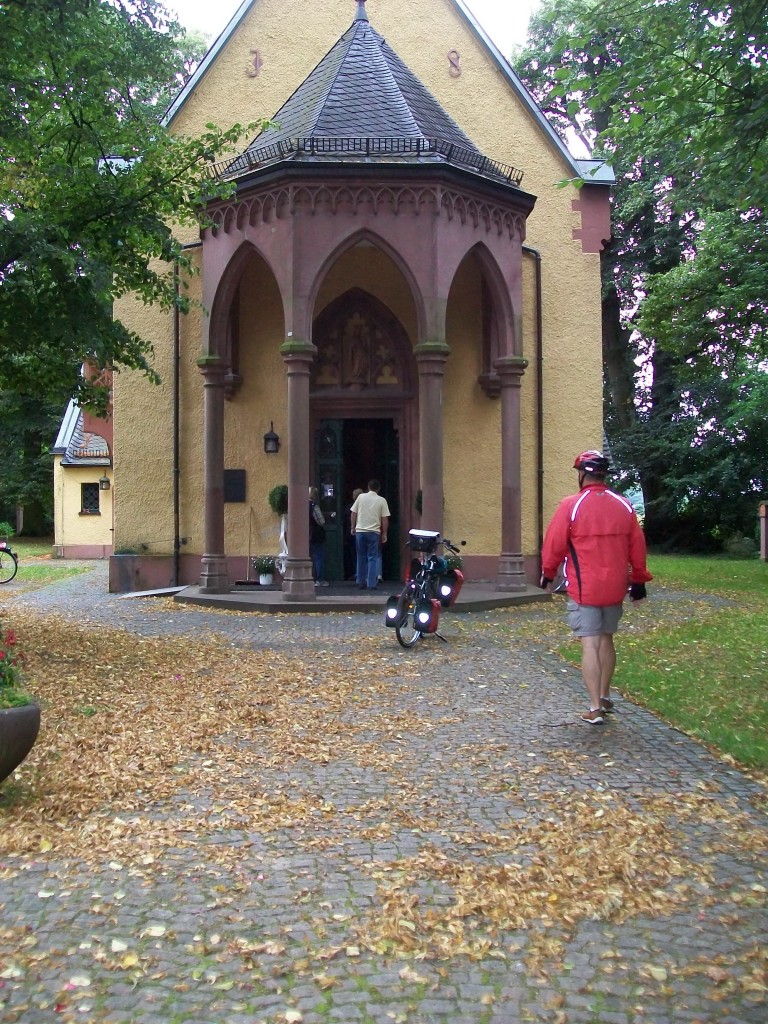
706	673
36	567
31	547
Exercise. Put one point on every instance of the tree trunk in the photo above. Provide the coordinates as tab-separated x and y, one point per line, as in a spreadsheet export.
618	365
660	452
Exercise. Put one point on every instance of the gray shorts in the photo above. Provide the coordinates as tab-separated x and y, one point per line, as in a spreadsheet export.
591	620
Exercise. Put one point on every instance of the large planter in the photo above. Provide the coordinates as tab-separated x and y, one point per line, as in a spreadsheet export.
18	731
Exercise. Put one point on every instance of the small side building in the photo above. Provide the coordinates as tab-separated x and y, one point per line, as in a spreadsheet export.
82	487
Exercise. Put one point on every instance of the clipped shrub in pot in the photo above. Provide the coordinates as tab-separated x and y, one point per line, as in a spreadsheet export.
278	499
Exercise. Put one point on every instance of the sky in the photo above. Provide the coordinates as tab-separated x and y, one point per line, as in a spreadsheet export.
505	21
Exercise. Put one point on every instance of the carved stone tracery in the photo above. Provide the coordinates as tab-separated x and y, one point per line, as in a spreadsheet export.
359	344
262	207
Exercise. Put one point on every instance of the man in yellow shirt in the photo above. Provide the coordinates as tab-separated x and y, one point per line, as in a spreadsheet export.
370	522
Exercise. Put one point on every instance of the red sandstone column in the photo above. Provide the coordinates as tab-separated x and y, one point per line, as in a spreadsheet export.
431	359
214	578
511	574
298	584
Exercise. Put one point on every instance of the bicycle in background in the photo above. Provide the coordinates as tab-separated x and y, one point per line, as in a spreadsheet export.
430	585
9	562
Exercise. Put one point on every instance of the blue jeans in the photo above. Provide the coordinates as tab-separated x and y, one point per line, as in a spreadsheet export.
317	554
367	547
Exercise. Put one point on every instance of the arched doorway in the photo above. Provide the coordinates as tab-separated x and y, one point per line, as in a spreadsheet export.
348	453
365	421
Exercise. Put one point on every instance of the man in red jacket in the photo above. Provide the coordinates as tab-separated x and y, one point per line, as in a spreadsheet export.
595	535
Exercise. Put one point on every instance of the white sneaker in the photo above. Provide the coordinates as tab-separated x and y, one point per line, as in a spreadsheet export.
593	717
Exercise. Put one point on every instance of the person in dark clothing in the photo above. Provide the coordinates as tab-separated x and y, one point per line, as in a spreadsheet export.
317	538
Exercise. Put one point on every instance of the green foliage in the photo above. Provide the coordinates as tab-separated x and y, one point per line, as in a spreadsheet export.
278	499
6	530
29	424
90	181
714	301
700	91
661	89
264	564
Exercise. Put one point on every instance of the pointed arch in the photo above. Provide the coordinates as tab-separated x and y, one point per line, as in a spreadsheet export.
498	316
376	240
223	331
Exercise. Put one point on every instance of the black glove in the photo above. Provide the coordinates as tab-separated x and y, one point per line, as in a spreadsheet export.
544	582
637	591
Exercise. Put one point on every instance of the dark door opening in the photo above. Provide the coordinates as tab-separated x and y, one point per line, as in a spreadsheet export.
349	453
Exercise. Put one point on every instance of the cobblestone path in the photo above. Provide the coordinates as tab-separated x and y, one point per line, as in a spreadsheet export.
470	853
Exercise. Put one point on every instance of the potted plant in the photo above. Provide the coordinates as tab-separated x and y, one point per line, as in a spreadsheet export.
264	565
278	502
278	499
19	712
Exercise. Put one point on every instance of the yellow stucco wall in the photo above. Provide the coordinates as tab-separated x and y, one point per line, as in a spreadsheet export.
374	272
472	465
75	532
247	417
292	37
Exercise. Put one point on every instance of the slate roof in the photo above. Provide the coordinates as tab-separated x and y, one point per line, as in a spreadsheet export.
590	170
362	101
362	88
77	446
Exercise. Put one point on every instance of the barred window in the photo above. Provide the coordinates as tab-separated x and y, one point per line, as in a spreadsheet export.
89	499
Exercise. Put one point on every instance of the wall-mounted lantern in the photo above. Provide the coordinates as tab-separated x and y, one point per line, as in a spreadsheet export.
271	440
104	483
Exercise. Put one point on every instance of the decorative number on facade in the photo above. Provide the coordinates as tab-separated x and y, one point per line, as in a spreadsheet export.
254	65
454	59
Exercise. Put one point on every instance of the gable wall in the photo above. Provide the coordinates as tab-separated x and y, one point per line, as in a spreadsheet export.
291	38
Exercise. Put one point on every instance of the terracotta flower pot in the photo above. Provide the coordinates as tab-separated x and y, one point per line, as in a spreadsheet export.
18	731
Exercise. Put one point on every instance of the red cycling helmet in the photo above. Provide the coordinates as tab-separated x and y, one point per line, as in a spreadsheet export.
592	462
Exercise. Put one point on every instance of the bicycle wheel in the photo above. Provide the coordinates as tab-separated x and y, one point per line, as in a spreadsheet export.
8	566
406	632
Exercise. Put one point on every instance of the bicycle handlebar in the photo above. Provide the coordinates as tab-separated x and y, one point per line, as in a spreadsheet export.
438	540
451	546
